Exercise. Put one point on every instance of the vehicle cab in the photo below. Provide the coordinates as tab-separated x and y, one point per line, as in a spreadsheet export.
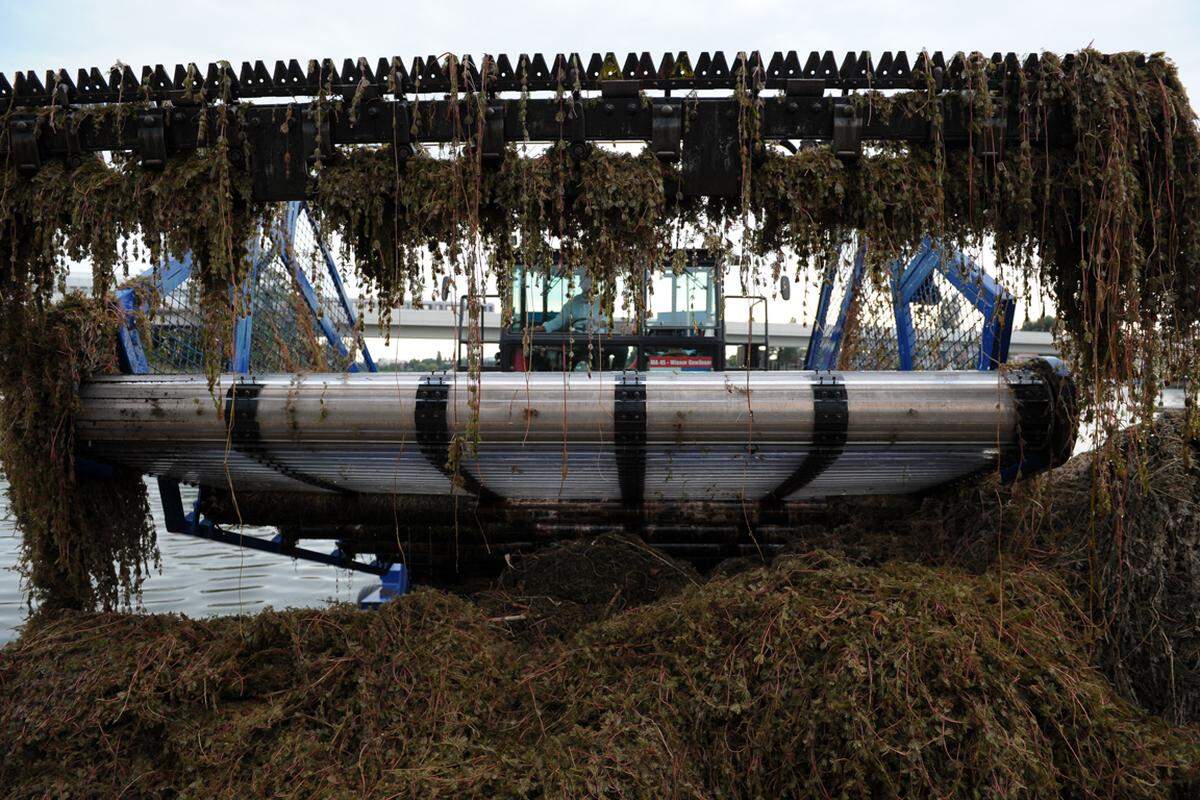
558	322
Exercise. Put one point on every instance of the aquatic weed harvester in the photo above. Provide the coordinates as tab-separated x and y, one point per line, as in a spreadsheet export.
603	204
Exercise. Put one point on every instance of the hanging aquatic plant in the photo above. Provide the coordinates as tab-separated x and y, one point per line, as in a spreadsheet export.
1091	201
86	537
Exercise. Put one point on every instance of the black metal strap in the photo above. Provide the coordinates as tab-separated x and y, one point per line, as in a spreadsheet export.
1046	405
245	436
831	418
629	432
433	435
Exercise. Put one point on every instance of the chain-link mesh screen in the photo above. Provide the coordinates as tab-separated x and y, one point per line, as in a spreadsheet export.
285	333
869	338
947	330
175	324
308	257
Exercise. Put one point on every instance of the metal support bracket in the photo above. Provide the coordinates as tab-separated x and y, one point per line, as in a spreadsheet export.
152	138
831	413
318	137
988	143
629	435
619	89
277	151
847	130
493	134
805	87
402	129
574	128
667	132
23	144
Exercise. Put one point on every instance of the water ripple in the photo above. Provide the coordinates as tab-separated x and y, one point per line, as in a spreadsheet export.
198	578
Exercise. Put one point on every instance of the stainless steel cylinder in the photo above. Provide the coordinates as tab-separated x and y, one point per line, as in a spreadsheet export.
621	437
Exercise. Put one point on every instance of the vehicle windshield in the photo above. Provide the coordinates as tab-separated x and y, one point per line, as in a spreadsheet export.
679	302
683	301
562	300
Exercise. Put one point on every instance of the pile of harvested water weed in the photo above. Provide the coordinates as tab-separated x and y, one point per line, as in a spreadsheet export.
560	588
812	676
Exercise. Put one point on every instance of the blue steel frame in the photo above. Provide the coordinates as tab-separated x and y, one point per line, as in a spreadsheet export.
989	298
167	279
281	238
824	345
133	361
174	272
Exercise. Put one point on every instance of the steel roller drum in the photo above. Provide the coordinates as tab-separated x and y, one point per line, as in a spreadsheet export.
629	437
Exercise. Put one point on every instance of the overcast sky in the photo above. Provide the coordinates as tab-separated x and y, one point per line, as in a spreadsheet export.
71	35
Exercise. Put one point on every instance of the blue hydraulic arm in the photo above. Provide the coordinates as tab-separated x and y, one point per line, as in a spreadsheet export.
990	299
907	280
824	345
194	524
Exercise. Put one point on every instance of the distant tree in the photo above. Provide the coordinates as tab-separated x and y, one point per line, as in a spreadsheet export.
789	358
436	364
1043	323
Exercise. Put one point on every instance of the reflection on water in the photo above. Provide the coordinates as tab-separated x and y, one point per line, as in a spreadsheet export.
198	577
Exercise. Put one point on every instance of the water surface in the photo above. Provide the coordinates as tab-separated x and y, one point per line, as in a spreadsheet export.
198	577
